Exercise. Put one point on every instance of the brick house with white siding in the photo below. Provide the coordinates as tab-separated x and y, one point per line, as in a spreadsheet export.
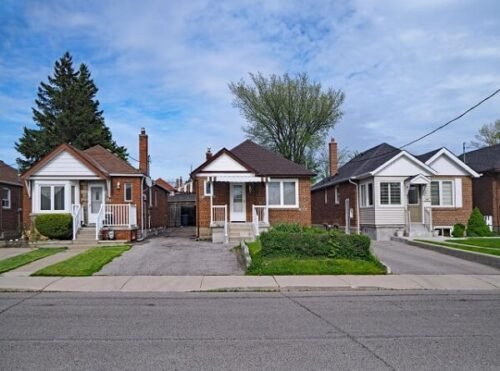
10	202
100	190
385	190
240	192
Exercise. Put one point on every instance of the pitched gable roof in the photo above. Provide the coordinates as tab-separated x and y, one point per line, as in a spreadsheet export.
484	159
363	163
260	161
427	155
111	163
165	185
8	174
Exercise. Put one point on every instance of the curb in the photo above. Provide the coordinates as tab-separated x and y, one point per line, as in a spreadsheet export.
475	257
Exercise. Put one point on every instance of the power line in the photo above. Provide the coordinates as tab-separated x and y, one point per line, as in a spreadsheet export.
432	131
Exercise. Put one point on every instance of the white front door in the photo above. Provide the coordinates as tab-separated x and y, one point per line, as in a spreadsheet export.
238	202
96	199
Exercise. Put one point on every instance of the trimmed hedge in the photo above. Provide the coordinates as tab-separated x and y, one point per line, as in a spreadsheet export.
55	226
458	230
476	226
314	242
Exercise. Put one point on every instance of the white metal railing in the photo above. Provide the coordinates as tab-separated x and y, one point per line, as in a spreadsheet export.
77	214
428	218
99	221
219	217
260	216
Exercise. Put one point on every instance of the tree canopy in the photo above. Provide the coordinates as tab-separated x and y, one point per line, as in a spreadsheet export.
290	115
489	135
67	111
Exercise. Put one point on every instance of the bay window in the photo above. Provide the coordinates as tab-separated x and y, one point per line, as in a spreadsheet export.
283	193
390	193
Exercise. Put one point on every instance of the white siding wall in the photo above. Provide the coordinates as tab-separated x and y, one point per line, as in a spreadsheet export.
389	214
403	166
64	164
444	166
366	214
224	163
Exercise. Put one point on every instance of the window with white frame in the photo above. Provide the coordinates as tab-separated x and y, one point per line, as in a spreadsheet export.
442	193
127	195
337	197
390	193
282	193
52	198
208	188
366	195
5	198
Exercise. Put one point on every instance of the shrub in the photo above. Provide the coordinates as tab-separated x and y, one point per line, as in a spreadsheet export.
278	243
290	228
349	246
476	226
458	230
55	226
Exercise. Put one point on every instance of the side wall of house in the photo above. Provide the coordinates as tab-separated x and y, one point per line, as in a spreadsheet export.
448	216
11	218
326	211
159	208
486	196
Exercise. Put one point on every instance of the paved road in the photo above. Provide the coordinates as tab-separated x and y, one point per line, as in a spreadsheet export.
253	331
172	256
406	259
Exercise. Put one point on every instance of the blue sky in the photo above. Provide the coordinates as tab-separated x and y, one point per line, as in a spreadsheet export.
405	67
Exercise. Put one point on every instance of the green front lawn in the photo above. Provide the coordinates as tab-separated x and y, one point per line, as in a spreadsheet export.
84	264
308	265
23	259
493	243
466	247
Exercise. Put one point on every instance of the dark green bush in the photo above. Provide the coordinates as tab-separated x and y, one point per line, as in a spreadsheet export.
349	246
289	228
278	243
476	226
55	226
458	230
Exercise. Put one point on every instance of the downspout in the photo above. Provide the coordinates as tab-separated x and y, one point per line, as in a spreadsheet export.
357	205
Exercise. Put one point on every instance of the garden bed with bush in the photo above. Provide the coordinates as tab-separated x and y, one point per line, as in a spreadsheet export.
290	249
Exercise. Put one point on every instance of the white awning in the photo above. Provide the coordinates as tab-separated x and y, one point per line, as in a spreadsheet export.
239	179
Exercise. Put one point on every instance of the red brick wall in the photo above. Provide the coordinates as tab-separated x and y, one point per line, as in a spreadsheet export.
331	213
302	215
10	218
117	196
159	210
451	216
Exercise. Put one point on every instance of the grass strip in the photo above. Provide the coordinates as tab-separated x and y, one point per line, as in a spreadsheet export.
84	264
482	250
493	243
305	266
29	257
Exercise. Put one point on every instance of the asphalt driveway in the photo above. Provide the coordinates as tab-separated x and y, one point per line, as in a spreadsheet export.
406	259
174	256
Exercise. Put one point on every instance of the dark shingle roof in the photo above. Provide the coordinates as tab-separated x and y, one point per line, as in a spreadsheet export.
8	174
428	155
111	163
484	159
267	163
361	164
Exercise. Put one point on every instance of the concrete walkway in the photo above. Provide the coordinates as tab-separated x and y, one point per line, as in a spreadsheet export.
249	283
9	252
406	259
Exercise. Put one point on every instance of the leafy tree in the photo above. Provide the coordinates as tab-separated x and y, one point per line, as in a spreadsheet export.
67	111
489	135
291	116
476	226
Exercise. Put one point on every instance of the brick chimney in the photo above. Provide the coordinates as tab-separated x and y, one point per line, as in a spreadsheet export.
209	154
143	152
333	157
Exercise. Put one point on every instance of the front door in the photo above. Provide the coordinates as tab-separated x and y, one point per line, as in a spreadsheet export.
238	203
414	204
96	199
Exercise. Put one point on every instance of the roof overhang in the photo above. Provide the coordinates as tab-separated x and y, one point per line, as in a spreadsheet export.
452	157
419	180
407	155
233	178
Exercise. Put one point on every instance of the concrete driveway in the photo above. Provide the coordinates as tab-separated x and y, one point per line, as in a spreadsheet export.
174	256
406	259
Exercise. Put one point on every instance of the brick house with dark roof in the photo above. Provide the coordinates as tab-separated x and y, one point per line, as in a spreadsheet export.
10	198
486	189
385	190
100	190
240	192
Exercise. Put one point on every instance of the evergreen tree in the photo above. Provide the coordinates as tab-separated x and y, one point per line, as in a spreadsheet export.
67	111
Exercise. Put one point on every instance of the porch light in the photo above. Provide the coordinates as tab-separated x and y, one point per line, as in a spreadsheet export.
118	185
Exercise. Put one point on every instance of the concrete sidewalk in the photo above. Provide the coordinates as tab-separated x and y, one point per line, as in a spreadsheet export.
249	283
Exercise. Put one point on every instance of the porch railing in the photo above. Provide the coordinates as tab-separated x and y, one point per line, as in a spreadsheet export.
77	214
428	218
116	215
260	216
219	217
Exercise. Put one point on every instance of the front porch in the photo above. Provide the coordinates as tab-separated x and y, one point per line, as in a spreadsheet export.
418	210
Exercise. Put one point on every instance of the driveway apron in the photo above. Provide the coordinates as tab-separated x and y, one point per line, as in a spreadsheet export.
174	256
